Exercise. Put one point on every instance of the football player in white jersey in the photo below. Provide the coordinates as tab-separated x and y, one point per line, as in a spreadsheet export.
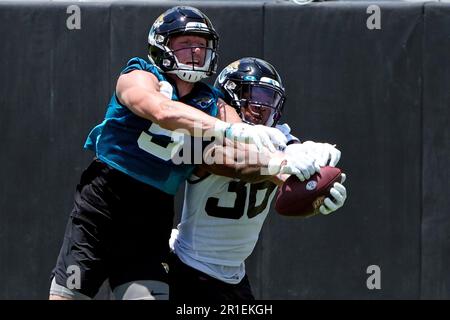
225	205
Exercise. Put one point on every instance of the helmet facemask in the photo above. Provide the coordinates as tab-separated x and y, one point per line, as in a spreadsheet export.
191	72
257	103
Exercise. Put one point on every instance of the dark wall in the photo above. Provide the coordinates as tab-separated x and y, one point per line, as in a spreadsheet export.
54	83
360	89
436	153
381	95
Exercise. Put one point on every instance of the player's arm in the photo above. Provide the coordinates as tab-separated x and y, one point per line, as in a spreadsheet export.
241	161
231	160
236	164
227	113
140	92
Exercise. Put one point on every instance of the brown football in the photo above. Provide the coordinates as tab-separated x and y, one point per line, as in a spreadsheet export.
303	199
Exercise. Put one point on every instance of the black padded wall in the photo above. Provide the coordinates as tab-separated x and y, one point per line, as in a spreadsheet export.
52	81
436	153
360	89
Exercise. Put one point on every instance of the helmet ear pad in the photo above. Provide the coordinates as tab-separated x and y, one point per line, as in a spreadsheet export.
164	60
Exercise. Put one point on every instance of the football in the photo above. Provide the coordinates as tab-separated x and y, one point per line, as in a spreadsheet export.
303	199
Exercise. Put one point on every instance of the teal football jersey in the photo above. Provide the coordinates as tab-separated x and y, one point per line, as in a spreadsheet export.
141	148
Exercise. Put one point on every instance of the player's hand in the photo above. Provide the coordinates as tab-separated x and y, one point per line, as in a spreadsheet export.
324	153
302	167
277	137
173	238
286	130
261	136
299	151
338	193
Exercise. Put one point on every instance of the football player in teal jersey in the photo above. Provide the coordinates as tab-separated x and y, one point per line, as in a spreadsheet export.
123	205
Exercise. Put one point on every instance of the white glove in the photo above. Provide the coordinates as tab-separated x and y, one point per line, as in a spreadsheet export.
339	194
286	130
277	137
302	167
261	136
173	238
300	151
323	153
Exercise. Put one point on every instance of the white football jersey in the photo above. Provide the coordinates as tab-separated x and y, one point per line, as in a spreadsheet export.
220	224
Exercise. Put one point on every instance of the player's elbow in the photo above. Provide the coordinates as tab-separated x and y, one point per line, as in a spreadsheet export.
249	173
160	116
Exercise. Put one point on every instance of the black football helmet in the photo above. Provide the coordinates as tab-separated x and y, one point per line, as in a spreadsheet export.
254	88
182	20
